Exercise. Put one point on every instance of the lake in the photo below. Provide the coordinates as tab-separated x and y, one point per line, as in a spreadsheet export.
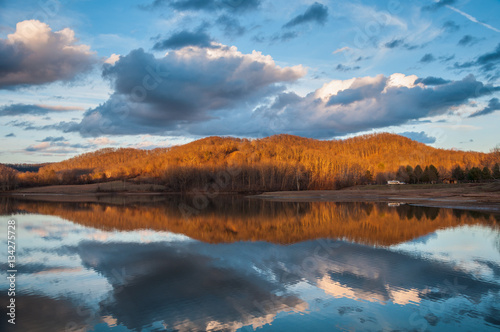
171	263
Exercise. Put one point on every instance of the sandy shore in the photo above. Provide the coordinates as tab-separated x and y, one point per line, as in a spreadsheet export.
481	197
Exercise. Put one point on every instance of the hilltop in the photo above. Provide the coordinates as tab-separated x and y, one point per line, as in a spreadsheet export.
280	162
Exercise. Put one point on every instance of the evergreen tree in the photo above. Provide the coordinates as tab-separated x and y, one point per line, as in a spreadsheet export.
411	174
458	173
402	175
418	172
486	174
426	177
474	174
433	174
496	171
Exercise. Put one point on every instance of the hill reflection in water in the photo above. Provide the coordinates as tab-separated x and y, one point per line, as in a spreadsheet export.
115	265
235	218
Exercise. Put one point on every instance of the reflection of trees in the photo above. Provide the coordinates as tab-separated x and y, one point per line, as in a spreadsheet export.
233	218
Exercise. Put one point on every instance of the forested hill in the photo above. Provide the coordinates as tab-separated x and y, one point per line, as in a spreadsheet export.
281	162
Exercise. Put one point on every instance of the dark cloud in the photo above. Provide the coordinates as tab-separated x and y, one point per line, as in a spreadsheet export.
184	38
487	62
349	96
344	68
186	86
10	135
284	37
205	5
230	26
489	58
224	107
315	13
361	58
438	4
20	124
493	105
428	58
468	40
446	58
370	102
24	109
451	26
53	139
36	55
396	43
421	137
430	80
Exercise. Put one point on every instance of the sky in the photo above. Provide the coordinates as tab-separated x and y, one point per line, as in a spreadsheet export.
81	75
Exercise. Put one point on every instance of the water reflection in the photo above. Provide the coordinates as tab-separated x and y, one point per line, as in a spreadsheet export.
129	272
234	218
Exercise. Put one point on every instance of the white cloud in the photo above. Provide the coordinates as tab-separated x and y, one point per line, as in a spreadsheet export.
34	54
112	59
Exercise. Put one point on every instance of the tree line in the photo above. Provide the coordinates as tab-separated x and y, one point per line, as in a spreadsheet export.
281	162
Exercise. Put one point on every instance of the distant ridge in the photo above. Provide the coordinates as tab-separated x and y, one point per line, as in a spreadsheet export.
279	162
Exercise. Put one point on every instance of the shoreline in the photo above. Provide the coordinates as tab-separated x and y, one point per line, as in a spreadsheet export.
477	197
483	197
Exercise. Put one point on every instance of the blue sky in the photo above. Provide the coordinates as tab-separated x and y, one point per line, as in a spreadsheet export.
76	76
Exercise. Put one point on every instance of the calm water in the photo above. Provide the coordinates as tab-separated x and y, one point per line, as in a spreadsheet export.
235	264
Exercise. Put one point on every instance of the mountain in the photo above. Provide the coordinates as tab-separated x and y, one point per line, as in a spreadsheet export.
280	162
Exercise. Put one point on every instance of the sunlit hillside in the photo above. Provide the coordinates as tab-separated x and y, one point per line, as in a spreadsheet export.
281	162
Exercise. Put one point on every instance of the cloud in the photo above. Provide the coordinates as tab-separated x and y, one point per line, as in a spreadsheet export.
341	67
24	109
421	137
489	58
487	61
256	104
285	36
493	105
57	145
315	13
10	135
53	139
184	38
186	86
468	40
340	50
428	58
206	5
430	80
38	147
230	26
112	59
358	104
35	55
101	141
451	26
396	43
438	4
